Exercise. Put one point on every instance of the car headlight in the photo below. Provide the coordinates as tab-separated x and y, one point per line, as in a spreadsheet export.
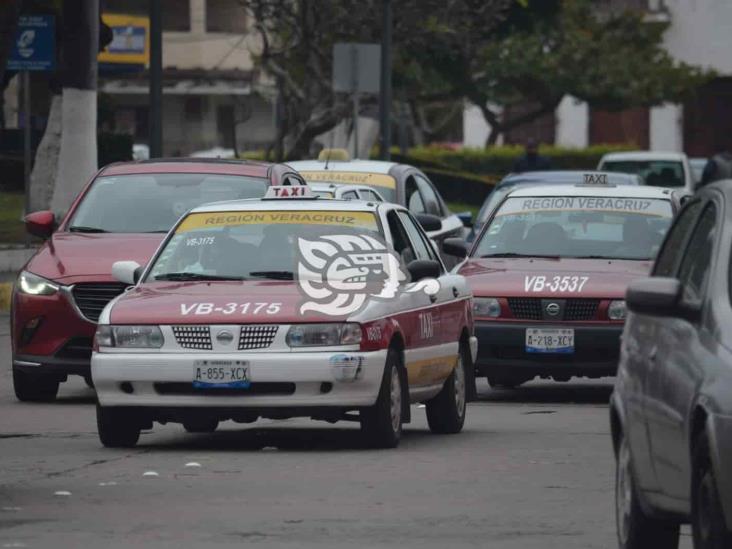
130	337
486	307
617	310
322	335
31	284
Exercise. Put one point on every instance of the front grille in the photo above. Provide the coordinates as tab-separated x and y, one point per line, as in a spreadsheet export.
525	308
193	337
257	337
79	348
92	297
261	388
581	309
530	308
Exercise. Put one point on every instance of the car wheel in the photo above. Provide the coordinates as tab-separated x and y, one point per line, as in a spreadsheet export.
117	427
635	529
201	425
707	519
382	422
34	388
446	411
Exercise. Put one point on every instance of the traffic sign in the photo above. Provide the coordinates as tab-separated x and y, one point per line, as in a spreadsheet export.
356	67
34	48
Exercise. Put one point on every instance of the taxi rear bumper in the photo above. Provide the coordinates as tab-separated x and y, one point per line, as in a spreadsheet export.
502	350
278	380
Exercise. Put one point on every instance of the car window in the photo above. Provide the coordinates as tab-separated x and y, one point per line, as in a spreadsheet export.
415	204
697	262
421	247
371	195
612	227
350	195
401	242
429	196
657	173
148	203
673	247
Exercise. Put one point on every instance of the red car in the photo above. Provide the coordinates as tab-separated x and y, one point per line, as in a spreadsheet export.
549	273
124	212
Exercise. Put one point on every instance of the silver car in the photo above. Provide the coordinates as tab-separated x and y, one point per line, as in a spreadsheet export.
671	411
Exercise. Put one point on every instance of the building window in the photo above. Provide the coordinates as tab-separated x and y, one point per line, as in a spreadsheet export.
176	15
225	16
193	108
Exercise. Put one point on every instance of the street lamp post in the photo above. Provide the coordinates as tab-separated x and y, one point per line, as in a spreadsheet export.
156	80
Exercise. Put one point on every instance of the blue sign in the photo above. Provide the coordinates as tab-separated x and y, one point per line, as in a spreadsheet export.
34	48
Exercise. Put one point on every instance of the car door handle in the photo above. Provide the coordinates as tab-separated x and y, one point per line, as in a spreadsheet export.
455	292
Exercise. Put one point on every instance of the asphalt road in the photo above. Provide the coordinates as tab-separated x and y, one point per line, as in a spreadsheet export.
532	469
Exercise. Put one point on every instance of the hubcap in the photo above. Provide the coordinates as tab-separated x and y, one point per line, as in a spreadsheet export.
459	383
396	401
623	492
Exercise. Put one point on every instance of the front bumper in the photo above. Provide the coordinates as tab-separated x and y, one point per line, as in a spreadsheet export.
278	380
501	350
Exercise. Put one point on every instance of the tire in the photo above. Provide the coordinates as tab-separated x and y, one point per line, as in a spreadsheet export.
505	381
201	425
635	529
34	388
117	427
446	411
382	422
708	525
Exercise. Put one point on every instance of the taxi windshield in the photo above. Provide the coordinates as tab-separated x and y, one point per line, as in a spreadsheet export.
383	184
247	245
577	226
152	203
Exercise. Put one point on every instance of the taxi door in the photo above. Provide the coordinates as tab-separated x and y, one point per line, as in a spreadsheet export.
434	329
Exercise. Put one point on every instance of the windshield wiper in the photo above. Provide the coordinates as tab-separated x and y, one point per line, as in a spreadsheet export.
513	254
275	275
83	229
195	276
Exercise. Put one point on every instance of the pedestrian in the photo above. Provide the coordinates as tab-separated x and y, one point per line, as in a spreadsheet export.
717	168
531	161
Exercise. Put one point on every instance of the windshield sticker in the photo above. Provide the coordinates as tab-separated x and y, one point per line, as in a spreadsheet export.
570	284
195	221
200	241
351	178
338	274
642	206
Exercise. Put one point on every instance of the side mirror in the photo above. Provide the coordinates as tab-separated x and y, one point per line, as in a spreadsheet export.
127	272
423	268
455	247
466	218
656	296
429	222
40	224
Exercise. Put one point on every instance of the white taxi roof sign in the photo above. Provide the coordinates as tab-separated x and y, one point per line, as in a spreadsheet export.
596	179
284	192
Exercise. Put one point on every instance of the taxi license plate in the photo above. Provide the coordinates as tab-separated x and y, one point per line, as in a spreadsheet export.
554	340
221	374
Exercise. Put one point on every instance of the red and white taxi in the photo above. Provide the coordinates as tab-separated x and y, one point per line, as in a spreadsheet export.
282	307
549	273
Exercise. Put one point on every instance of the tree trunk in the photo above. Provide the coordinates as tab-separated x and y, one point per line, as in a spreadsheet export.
493	136
78	152
44	169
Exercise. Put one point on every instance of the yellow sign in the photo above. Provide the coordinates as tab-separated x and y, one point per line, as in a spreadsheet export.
130	42
352	178
363	220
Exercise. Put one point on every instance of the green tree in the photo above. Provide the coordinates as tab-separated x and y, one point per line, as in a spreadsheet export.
612	60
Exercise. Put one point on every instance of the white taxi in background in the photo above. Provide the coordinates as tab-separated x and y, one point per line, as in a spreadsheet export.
287	306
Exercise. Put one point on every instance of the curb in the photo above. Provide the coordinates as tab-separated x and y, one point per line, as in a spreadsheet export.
6	290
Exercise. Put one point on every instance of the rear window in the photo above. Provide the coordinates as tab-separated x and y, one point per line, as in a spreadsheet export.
656	173
151	203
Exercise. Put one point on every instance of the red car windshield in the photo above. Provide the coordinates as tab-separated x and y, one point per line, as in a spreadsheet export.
152	203
577	226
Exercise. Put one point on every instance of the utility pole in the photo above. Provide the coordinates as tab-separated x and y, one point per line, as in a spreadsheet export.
385	95
156	79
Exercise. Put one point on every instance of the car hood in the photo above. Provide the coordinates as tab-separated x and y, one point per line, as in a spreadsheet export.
516	277
215	302
75	257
